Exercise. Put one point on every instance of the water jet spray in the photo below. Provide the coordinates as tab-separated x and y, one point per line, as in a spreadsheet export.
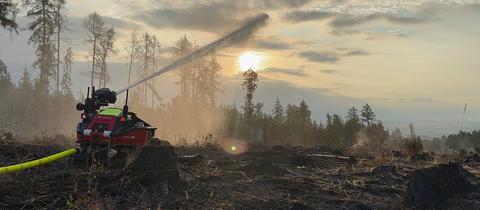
236	36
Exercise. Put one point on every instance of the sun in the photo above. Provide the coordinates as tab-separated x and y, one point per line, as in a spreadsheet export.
250	59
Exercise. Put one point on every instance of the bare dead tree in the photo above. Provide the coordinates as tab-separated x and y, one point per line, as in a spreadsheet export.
155	52
95	28
132	52
107	49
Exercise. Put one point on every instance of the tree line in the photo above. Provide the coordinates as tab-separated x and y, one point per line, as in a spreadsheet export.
198	81
46	102
42	99
195	110
293	124
33	105
461	141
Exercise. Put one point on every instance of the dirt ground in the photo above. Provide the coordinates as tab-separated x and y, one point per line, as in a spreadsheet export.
260	178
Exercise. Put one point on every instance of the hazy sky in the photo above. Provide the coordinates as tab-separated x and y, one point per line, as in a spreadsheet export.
414	61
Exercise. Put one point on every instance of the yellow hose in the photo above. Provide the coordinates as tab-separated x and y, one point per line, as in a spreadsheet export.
38	162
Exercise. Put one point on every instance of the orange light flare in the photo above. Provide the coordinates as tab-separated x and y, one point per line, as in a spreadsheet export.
235	147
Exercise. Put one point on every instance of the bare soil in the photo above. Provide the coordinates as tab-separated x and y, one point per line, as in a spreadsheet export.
262	178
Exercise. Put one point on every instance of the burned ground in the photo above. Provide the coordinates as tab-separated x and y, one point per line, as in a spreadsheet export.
262	178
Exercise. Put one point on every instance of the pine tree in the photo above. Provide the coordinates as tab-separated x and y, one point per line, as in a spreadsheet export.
396	138
60	25
156	48
206	81
25	83
95	28
132	52
231	116
106	50
67	71
6	86
278	112
43	13
197	79
304	114
377	135
368	116
258	111
145	56
5	80
412	131
292	116
182	48
23	101
329	120
353	115
8	12
200	81
335	131
352	127
214	69
249	84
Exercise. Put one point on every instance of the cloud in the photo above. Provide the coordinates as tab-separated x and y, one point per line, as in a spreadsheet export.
109	21
215	18
272	44
302	15
288	71
405	100
345	15
119	23
356	53
342	21
329	71
276	4
210	16
319	57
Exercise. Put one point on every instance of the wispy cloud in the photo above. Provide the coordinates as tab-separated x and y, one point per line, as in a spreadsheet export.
211	16
329	57
214	17
329	71
287	71
406	99
356	53
302	15
273	44
319	57
343	21
352	13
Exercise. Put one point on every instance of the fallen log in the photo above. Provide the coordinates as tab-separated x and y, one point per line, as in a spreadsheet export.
346	158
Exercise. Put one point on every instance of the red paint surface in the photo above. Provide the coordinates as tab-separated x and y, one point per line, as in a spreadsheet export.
136	137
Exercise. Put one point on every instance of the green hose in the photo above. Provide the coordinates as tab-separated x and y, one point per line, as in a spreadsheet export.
38	162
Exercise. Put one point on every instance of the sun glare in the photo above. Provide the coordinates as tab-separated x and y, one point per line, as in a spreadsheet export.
251	60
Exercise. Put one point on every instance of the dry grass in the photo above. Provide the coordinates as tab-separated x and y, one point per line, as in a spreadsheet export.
384	158
412	147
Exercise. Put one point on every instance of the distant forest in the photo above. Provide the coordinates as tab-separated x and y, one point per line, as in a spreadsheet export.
44	104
